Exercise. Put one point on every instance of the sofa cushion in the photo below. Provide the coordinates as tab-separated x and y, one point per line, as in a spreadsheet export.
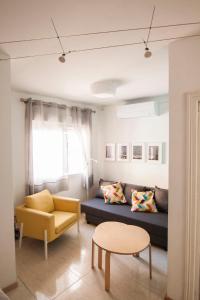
155	224
128	191
161	199
63	219
113	193
99	192
42	201
102	182
143	201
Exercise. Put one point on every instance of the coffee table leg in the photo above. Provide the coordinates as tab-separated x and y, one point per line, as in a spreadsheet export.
136	254
150	263
92	255
107	271
100	257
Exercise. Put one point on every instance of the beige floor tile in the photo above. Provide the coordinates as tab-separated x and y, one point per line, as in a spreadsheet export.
68	275
20	293
94	289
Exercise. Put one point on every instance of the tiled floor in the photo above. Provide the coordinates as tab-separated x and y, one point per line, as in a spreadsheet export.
68	275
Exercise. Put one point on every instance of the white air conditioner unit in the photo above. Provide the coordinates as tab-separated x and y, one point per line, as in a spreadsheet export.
138	110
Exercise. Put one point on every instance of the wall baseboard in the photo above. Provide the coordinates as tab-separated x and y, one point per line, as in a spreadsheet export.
10	287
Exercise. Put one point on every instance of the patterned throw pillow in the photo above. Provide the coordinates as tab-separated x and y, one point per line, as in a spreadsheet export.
143	201
113	193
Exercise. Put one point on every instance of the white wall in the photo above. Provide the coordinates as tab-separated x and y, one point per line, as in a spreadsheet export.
184	66
18	153
18	150
153	129
7	247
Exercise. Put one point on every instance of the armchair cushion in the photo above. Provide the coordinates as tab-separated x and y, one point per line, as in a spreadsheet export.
63	219
42	201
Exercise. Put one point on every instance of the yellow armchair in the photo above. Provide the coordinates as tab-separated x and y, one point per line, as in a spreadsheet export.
45	217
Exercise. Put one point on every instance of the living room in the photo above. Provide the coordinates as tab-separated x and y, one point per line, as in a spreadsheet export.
97	171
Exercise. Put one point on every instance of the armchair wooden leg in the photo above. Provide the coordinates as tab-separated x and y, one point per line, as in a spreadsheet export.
21	234
45	245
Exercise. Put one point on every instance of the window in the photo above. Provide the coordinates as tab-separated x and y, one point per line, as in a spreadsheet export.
56	153
73	153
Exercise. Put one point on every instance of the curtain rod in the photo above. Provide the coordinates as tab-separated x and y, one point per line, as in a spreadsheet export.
49	103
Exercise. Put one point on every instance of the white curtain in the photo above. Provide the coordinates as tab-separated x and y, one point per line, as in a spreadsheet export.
82	122
46	163
47	156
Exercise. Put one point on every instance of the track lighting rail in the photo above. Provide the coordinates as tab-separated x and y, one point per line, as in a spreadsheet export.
101	48
99	32
63	53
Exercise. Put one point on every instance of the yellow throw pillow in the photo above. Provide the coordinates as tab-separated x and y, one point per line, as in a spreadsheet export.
143	201
113	193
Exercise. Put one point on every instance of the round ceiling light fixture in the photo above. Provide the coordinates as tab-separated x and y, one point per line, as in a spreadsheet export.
104	95
104	89
62	58
147	53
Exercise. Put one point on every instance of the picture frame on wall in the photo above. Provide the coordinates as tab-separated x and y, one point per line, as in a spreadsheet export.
138	152
154	153
110	152
123	152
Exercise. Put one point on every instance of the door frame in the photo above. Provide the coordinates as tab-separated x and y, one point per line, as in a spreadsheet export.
192	244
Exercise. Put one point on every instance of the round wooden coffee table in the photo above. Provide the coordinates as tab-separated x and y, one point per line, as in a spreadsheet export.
119	238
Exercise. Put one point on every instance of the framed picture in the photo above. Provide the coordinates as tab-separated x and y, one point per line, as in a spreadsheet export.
110	152
138	152
122	152
154	153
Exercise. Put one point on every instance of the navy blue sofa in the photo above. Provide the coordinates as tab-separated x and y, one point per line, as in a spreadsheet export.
155	223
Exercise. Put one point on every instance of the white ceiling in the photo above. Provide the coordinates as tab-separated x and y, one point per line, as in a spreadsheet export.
139	77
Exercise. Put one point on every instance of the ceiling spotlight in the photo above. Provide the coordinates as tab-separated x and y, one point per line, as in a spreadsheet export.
62	58
147	53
